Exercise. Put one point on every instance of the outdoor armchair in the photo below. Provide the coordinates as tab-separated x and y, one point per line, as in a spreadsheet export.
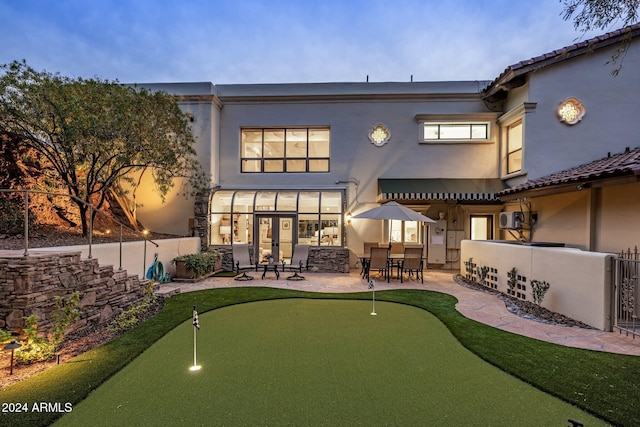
379	260
299	261
411	262
365	258
242	261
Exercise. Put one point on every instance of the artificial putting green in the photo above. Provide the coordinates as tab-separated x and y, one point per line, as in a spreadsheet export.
317	362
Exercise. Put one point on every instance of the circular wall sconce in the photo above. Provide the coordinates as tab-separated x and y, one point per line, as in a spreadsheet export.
571	111
379	135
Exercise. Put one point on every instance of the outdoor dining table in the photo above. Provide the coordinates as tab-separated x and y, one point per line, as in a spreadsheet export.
395	260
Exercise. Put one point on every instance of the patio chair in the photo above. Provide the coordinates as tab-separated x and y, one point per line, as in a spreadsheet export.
411	262
364	260
299	261
397	247
242	261
379	260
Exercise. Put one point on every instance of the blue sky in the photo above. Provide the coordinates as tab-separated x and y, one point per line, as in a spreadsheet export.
280	41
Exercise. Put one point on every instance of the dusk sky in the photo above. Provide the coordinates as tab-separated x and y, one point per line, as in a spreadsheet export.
280	41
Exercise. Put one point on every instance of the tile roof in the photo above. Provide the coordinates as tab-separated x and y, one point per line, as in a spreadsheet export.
562	54
614	165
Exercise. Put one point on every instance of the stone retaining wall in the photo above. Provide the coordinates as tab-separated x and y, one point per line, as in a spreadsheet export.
29	285
321	259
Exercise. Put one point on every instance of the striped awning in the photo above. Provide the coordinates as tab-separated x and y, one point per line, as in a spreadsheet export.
471	190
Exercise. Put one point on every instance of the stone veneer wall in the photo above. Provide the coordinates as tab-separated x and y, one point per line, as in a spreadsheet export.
30	284
321	259
201	219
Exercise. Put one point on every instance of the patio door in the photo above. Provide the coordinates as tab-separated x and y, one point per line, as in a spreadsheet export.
481	227
275	237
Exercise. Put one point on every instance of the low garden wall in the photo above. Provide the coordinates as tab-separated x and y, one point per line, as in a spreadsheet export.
29	285
580	281
321	259
133	253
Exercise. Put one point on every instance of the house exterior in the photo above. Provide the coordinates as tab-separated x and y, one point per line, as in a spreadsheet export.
293	163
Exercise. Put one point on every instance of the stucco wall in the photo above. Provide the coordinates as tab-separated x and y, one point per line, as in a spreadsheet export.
601	219
580	281
133	259
618	219
352	154
611	106
172	215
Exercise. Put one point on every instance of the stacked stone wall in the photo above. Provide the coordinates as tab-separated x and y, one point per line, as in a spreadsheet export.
321	259
29	285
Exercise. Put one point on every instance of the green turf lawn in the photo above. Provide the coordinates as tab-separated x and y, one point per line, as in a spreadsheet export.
317	362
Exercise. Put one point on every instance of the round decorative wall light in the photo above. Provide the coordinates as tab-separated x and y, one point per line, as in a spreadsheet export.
379	135
571	111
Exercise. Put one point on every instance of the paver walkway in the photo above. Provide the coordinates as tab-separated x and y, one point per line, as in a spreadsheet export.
474	304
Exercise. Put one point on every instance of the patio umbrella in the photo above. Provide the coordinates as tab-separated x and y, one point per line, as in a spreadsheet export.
393	210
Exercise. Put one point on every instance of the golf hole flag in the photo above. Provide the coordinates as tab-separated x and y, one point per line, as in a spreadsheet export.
196	322
196	327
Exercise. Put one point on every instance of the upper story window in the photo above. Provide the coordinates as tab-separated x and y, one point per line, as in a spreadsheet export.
449	132
514	147
285	150
513	138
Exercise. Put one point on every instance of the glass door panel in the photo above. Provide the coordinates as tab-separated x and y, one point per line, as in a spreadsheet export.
275	238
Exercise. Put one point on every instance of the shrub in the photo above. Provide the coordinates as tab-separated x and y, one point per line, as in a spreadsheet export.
131	317
200	264
539	290
37	348
513	280
482	274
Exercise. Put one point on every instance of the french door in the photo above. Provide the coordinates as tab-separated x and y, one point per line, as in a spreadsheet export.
276	236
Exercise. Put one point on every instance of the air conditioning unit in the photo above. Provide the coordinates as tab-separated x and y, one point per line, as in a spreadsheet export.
511	220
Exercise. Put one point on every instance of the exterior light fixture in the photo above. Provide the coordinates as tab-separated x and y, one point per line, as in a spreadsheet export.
571	111
12	346
348	217
379	135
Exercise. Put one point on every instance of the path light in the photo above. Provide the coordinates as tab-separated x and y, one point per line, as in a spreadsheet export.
12	346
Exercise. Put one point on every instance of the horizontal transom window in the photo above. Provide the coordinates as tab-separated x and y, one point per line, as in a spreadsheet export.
455	132
285	150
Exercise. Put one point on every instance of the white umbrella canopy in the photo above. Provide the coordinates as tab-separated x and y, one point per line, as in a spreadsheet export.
393	210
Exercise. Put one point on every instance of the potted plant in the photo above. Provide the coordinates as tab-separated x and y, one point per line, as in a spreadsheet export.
197	266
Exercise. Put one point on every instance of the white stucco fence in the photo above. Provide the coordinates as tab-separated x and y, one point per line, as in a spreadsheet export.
580	281
133	253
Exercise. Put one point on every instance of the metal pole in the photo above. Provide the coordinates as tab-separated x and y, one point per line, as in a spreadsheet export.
26	223
120	262
90	228
194	347
144	261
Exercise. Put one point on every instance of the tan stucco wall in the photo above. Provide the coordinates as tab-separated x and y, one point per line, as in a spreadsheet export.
601	219
580	280
562	218
618	225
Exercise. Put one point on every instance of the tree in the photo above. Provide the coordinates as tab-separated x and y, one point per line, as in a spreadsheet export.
601	15
98	134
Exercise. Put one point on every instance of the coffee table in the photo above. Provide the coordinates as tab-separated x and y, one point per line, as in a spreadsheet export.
270	267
